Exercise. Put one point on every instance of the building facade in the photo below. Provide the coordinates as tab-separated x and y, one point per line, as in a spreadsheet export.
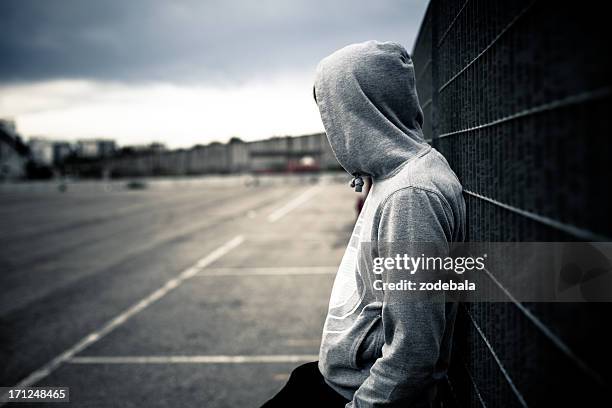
13	152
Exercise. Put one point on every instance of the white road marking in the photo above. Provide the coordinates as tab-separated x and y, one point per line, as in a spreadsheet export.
293	204
212	359
274	271
88	340
303	342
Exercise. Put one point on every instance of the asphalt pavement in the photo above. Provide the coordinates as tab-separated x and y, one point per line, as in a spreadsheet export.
176	295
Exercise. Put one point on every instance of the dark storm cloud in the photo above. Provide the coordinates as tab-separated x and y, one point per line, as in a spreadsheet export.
188	40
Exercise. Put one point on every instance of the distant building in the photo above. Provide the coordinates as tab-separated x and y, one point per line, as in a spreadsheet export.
41	151
8	125
238	156
61	150
13	152
140	149
293	154
307	153
95	148
48	152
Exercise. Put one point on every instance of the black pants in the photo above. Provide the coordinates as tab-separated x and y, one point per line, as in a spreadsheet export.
306	388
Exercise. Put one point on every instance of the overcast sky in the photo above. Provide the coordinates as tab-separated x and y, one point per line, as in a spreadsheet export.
180	72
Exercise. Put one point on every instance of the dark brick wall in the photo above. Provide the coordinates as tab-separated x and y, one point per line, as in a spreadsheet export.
517	96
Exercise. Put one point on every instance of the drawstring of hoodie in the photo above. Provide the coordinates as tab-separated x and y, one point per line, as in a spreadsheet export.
357	182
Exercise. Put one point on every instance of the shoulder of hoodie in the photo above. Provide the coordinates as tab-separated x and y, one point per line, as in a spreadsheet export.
429	173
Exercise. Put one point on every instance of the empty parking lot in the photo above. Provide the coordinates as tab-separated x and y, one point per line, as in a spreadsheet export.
180	294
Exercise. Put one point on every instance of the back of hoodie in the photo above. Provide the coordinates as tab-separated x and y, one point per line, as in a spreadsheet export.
381	347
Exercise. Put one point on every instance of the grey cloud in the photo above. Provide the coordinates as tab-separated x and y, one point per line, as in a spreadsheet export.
188	40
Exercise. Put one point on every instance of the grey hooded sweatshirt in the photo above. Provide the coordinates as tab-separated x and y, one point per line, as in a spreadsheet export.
381	348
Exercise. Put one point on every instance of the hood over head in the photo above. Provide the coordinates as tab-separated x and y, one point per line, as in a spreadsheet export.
369	106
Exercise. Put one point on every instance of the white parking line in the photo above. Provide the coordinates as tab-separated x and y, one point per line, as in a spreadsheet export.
214	359
304	342
293	204
88	340
274	271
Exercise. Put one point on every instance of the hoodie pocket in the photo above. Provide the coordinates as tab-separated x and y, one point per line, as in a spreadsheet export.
366	346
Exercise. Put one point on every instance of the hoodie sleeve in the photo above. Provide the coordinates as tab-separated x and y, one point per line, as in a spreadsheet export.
413	330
